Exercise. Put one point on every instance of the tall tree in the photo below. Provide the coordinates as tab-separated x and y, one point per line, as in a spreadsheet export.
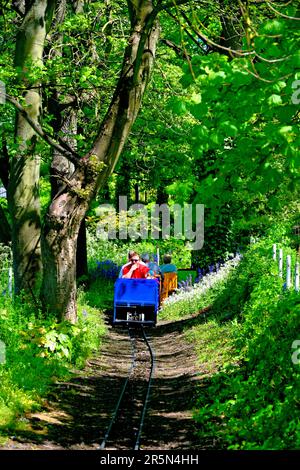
5	230
78	188
67	210
23	188
5	233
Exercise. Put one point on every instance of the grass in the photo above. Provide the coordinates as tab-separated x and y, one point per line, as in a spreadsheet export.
100	294
194	299
249	394
252	386
213	345
183	275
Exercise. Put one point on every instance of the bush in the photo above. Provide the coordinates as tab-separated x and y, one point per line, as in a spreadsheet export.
116	251
252	403
201	294
39	350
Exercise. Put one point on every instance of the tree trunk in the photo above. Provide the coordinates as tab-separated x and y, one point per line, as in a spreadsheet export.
137	193
81	253
23	189
62	169
161	195
5	232
64	109
66	212
59	256
123	183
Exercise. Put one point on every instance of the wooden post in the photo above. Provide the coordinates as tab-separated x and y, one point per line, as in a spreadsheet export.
297	277
288	271
274	252
280	262
10	277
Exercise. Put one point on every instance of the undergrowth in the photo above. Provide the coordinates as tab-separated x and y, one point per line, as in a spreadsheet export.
251	400
38	350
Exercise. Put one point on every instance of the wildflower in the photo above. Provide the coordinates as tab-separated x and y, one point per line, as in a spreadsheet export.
198	289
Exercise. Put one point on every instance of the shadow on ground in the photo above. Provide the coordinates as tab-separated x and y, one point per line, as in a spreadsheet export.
78	412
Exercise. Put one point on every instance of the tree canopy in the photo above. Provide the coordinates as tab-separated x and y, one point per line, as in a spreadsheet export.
186	101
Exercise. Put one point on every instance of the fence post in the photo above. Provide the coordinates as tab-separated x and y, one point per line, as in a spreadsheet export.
288	271
297	277
157	256
274	252
10	278
280	262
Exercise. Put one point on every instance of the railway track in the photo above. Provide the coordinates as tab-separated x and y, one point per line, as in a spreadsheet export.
126	425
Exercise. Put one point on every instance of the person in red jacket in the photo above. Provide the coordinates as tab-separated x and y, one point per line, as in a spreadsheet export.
135	269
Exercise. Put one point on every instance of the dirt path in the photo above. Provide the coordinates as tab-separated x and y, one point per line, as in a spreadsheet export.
78	412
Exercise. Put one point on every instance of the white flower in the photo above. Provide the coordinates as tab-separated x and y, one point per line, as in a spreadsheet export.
208	281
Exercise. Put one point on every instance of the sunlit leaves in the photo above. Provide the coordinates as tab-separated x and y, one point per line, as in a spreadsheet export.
274	100
229	128
247	120
273	27
182	190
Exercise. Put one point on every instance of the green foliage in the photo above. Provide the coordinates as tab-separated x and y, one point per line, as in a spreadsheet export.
38	351
244	164
100	294
5	264
219	240
117	250
45	194
251	400
213	345
185	306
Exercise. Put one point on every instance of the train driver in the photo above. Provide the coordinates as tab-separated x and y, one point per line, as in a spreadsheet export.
135	269
130	253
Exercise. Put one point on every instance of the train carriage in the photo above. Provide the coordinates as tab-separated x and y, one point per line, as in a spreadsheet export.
136	301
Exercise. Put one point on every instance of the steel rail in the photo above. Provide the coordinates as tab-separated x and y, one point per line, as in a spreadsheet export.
152	355
115	413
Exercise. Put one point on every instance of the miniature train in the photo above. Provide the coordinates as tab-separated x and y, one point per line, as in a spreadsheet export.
136	301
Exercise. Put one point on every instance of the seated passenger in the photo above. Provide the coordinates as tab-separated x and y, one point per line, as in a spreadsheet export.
154	268
130	253
167	267
135	269
169	274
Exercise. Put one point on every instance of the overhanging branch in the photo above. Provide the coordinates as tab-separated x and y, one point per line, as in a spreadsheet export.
63	147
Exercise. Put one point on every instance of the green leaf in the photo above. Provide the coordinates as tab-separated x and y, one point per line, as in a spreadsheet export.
295	59
286	132
274	99
196	98
229	128
177	106
275	26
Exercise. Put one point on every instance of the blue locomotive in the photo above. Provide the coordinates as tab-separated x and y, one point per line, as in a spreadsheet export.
136	301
